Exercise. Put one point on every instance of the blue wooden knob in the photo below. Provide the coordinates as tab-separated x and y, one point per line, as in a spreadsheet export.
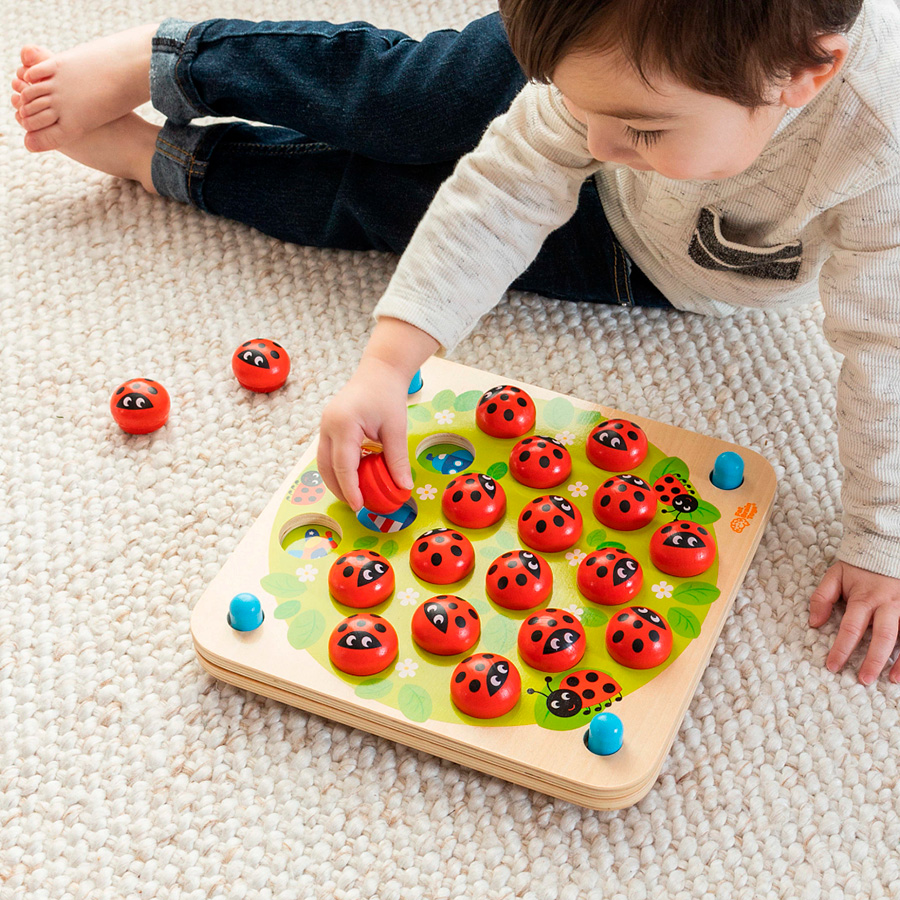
604	735
416	384
728	471
245	613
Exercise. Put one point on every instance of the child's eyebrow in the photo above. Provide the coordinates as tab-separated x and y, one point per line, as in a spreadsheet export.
635	114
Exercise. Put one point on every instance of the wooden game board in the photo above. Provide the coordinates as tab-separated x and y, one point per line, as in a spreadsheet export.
286	657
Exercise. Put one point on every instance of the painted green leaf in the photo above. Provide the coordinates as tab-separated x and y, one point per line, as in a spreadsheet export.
373	688
596	537
468	400
589	418
497	471
414	702
443	400
505	539
704	514
280	584
671	465
594	618
613	544
684	622
559	412
306	629
288	609
365	543
489	552
696	593
418	413
499	635
390	548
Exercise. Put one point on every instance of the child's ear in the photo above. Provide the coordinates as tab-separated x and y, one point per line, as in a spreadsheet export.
806	83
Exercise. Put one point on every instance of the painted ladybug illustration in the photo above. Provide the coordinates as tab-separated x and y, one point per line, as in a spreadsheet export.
485	686
308	489
360	579
363	644
585	691
442	556
624	502
519	579
505	412
261	365
474	501
381	494
617	445
677	493
315	543
451	463
550	524
140	405
639	638
446	625
609	576
683	549
551	640
540	462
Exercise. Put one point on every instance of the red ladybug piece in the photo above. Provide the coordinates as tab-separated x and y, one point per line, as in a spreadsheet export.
519	579
474	501
361	579
381	494
682	549
550	524
485	686
363	644
140	405
540	462
624	502
551	640
442	556
616	445
639	638
446	625
261	365
609	576
505	412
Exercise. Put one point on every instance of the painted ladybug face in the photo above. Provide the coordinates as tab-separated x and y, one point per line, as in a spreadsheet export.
361	579
442	556
446	625
550	524
609	576
140	405
624	502
505	412
473	501
683	549
639	638
485	686
540	462
584	691
673	491
261	365
551	640
363	644
519	580
617	445
308	489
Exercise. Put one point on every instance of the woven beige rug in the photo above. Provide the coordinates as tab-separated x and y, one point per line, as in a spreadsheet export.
126	771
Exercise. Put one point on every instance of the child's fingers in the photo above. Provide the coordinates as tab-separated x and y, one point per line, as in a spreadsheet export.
885	626
825	596
853	627
323	461
396	455
345	465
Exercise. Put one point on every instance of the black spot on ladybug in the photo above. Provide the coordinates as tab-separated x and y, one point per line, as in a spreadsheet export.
502	582
492	569
457	496
460	622
508	415
348	571
342	627
521	580
480	667
653	634
436	559
456	551
618	636
476	496
637	645
559	521
475	685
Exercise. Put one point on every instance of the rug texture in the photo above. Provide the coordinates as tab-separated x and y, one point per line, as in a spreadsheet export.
126	771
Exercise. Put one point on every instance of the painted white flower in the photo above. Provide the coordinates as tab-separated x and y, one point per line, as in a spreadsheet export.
307	573
579	489
663	590
575	556
408	597
576	610
445	417
407	669
565	437
427	492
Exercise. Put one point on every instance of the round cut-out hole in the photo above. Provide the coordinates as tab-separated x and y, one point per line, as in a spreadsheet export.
310	536
446	453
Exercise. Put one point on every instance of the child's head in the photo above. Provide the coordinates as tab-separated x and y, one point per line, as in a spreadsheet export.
709	79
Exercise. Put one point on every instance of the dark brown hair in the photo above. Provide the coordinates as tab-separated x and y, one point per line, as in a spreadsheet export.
729	48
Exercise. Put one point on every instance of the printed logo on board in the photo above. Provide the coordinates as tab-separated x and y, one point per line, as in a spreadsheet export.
742	516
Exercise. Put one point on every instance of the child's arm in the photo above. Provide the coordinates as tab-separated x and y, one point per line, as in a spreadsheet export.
860	289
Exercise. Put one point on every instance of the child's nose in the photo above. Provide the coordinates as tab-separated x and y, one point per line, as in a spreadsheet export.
604	146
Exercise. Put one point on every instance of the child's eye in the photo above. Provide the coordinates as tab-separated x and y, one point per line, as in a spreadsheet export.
647	138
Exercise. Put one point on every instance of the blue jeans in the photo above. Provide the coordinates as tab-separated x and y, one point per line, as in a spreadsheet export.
362	127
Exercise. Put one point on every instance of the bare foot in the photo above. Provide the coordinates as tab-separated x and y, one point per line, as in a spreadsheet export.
61	97
123	147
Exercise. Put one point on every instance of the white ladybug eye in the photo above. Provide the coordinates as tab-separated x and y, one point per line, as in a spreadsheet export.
367	574
126	402
439	619
555	644
366	640
553	704
496	682
501	667
351	640
565	695
380	569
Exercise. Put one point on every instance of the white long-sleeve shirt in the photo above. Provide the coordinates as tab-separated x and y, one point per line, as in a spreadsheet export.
816	215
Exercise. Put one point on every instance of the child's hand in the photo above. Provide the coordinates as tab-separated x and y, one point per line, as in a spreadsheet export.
871	599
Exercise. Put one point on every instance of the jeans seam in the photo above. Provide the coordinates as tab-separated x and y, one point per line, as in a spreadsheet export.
309	33
313	147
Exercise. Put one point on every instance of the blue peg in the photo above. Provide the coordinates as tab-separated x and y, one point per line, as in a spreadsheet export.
416	384
728	471
245	612
604	735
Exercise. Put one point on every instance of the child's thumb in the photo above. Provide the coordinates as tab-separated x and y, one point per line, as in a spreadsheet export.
396	456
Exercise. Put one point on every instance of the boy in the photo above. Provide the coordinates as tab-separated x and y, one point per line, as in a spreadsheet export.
737	155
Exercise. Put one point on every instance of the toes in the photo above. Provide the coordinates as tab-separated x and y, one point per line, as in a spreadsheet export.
31	54
46	139
18	85
35	106
36	122
42	70
33	91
